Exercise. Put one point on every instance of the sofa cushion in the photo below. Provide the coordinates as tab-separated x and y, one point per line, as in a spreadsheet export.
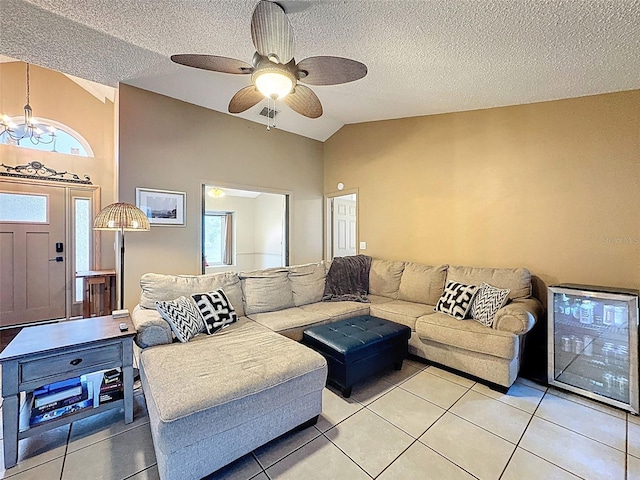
183	316
261	371
266	290
399	311
467	335
384	277
307	283
216	310
378	299
157	287
422	283
456	300
338	310
518	280
487	302
290	322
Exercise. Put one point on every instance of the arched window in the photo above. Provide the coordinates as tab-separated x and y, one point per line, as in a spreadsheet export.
66	140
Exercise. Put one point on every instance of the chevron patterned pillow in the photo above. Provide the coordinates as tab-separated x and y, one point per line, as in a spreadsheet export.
488	301
215	309
456	300
183	317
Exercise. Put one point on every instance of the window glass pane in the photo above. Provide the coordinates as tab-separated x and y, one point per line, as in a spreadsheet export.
213	239
63	142
82	240
18	207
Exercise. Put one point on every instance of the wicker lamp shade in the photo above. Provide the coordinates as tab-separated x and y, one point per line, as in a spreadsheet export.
121	216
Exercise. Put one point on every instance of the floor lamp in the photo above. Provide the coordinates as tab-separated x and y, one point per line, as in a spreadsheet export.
121	217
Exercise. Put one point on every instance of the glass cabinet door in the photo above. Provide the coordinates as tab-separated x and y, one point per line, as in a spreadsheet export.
593	343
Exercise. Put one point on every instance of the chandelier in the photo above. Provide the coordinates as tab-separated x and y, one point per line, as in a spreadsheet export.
29	129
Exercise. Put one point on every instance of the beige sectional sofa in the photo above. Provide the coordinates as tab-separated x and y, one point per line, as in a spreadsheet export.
286	301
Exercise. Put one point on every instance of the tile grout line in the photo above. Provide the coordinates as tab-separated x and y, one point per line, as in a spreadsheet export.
570	399
264	469
505	403
347	455
626	448
532	453
66	449
143	470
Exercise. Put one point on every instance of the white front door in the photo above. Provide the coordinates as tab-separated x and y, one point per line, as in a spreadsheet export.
33	253
344	226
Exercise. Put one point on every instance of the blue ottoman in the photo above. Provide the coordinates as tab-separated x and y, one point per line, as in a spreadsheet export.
359	347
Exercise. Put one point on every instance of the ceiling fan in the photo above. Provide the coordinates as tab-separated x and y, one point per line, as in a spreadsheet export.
274	72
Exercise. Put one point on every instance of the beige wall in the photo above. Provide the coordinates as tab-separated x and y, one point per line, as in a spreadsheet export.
172	145
56	97
554	187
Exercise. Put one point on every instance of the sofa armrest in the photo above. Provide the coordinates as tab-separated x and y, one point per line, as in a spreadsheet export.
518	316
151	327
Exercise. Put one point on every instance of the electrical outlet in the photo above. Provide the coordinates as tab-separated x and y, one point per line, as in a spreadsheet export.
363	245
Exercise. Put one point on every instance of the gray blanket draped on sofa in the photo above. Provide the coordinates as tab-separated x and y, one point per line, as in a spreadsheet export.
348	279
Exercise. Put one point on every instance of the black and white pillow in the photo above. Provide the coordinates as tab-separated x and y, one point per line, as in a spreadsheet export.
215	309
487	302
456	300
183	317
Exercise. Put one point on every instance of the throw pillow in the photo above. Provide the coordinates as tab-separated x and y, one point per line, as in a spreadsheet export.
215	309
456	300
487	302
183	317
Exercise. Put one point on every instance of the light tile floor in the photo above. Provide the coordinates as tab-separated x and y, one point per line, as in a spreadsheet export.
418	423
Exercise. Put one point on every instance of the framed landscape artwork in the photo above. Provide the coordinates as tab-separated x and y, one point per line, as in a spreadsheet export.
162	207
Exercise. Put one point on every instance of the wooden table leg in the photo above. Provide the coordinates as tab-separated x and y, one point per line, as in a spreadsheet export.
107	296
86	299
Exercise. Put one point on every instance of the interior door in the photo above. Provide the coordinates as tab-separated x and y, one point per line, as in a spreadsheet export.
32	253
344	226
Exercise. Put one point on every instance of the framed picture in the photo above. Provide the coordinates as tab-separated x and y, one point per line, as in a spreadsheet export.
162	207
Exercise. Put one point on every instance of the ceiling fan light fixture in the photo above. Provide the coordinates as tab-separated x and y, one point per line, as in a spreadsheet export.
274	83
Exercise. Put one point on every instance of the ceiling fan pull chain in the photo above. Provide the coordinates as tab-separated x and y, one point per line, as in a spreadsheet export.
273	117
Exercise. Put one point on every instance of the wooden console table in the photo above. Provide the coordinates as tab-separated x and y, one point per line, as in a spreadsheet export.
44	354
105	280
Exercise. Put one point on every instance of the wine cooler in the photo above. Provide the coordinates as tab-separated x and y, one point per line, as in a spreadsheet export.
593	343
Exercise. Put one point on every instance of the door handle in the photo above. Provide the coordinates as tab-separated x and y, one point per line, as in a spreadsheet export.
57	259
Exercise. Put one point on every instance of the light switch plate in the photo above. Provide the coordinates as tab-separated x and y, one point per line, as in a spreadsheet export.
363	245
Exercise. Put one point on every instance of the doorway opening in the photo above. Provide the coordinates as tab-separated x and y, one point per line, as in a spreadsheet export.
341	225
243	229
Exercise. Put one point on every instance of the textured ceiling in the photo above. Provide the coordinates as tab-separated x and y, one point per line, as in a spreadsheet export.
424	57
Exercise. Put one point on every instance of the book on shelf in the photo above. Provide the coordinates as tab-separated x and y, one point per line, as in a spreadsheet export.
39	414
57	391
60	412
111	376
69	396
111	396
38	410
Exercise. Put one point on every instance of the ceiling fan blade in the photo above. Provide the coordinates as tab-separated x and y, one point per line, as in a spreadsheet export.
271	32
244	99
304	101
330	70
213	63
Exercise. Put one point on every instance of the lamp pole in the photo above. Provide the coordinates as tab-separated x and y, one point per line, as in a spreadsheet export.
122	268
